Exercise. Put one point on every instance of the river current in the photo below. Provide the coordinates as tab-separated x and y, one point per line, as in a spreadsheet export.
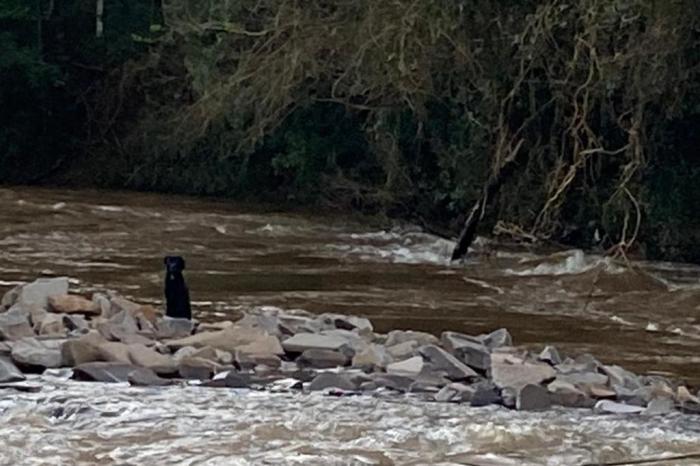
241	258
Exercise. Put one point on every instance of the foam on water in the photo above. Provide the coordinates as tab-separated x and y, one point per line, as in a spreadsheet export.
79	423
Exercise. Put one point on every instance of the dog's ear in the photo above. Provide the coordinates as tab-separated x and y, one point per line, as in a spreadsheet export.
165	260
182	262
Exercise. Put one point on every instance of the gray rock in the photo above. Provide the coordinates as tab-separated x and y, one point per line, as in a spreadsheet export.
611	407
167	328
119	327
408	367
327	380
395	382
485	393
102	303
532	398
322	359
247	361
353	341
584	379
184	352
518	375
187	371
103	372
444	361
343	322
21	387
373	357
235	380
114	352
81	350
10	298
75	322
659	406
456	393
51	324
14	324
497	339
142	377
305	341
550	355
264	344
403	350
38	292
36	354
566	394
9	372
468	349
401	336
144	356
621	377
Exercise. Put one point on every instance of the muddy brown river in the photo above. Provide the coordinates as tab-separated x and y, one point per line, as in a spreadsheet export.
646	318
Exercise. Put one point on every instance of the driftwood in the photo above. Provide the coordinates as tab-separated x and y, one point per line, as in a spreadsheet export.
477	212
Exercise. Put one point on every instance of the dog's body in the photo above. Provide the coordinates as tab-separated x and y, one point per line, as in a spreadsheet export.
176	294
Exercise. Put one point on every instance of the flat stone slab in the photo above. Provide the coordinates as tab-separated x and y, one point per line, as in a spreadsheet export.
305	341
441	360
518	375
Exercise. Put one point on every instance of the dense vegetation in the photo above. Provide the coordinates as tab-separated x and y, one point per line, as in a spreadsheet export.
397	107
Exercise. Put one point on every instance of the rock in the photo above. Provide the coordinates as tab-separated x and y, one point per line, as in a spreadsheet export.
599	391
35	354
395	382
51	324
229	339
344	322
456	393
327	380
518	375
566	394
38	292
532	398
234	380
621	377
169	328
187	371
14	325
403	350
401	336
611	407
583	380
10	298
75	322
265	344
684	396
247	361
409	367
103	372
322	359
143	377
372	358
144	356
81	350
497	339
9	372
21	387
205	352
292	324
72	304
119	327
485	393
659	406
353	341
467	349
102	303
184	352
304	341
445	362
550	355
114	352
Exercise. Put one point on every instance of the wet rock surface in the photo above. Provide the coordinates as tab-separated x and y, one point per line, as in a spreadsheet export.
111	339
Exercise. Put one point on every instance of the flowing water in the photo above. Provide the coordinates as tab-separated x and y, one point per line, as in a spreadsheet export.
239	258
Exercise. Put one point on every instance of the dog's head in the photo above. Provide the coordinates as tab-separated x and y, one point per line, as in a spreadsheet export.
174	264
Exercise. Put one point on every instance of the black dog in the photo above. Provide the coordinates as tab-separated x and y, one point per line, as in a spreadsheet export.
176	294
